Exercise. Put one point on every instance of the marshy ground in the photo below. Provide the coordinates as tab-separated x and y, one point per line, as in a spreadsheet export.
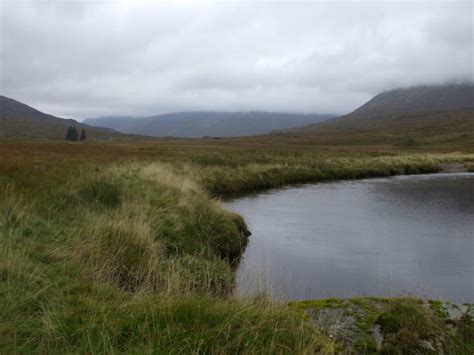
124	246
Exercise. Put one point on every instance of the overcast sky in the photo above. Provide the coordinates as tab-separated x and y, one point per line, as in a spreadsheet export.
94	58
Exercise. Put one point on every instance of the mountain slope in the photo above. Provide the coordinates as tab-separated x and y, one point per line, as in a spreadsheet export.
201	124
404	106
20	120
418	99
414	116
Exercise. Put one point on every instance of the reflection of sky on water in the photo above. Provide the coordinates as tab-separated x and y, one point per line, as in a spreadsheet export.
386	237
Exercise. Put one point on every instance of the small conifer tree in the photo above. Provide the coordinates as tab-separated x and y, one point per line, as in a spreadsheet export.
68	134
83	135
74	134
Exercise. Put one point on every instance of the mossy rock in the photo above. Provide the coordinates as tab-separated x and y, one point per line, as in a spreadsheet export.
392	325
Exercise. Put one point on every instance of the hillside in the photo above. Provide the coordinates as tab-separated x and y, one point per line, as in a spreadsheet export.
411	116
202	124
20	120
418	99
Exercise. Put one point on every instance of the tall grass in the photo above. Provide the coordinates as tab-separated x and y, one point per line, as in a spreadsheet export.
106	284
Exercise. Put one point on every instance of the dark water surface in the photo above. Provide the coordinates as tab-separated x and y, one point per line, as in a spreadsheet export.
383	237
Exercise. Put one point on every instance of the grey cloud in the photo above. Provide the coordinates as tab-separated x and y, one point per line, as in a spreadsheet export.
83	58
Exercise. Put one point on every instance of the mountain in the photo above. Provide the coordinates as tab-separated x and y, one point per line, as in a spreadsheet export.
213	124
20	120
409	116
418	99
405	106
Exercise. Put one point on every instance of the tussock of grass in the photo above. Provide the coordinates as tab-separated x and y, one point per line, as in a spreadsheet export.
120	249
406	324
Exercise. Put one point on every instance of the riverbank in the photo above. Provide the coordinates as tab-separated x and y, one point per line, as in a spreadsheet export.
125	248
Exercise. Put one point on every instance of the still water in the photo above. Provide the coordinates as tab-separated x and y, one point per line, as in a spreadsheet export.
408	235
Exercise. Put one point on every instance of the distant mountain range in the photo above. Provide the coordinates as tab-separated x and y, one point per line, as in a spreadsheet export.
19	120
211	124
445	112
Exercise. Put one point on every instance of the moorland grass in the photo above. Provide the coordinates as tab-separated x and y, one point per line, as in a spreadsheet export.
125	247
153	273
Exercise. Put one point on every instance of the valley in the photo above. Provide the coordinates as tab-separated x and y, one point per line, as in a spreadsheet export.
123	244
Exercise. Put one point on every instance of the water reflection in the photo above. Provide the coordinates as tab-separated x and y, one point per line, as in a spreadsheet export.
385	237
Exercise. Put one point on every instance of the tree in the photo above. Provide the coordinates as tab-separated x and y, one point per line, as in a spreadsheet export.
83	135
68	134
72	134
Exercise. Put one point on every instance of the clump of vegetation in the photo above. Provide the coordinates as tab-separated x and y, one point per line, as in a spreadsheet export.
120	250
405	325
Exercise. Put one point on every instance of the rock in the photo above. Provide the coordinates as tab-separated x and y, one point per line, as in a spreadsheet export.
343	325
354	325
336	323
378	336
425	344
454	312
439	345
470	313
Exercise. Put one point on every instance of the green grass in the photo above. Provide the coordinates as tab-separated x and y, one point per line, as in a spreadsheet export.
102	192
125	247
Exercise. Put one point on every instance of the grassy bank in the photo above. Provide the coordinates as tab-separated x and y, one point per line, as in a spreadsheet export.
125	248
128	258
